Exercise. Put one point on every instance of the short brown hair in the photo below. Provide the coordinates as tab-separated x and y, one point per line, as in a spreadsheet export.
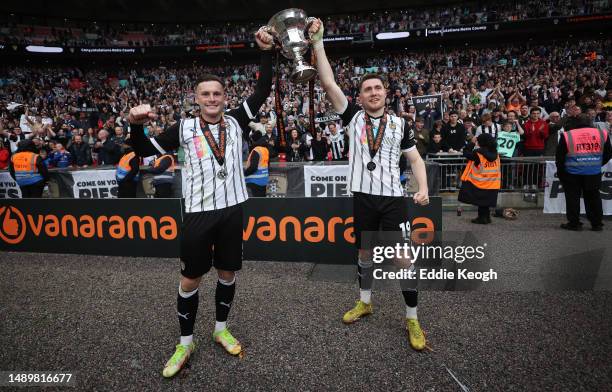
485	117
369	76
210	78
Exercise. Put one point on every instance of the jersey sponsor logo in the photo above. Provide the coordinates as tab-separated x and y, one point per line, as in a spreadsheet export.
15	225
201	147
363	137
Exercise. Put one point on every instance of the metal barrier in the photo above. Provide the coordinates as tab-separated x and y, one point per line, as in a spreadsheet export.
518	174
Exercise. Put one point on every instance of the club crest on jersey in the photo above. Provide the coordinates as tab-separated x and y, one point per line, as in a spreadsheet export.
392	125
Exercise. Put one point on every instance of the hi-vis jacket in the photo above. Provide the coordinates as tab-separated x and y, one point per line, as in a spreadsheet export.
166	176
487	175
585	148
26	171
260	177
124	167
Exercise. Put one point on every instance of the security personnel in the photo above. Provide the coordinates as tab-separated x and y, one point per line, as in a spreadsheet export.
256	173
581	153
28	170
163	175
481	179
127	174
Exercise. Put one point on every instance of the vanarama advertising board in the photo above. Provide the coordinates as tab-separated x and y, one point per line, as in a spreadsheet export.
105	226
317	230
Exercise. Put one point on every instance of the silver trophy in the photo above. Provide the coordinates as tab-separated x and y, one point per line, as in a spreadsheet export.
288	27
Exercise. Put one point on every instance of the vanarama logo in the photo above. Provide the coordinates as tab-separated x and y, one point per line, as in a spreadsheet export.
312	229
15	225
315	229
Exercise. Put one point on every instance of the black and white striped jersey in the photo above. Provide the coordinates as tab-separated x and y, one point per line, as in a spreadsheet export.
336	144
492	130
203	188
384	180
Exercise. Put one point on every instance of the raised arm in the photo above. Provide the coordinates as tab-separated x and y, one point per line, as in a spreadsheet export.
249	108
143	146
326	75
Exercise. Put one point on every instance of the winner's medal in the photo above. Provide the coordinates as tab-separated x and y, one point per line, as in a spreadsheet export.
374	144
218	150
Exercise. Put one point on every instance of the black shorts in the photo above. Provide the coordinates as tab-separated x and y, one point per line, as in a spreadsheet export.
372	213
211	238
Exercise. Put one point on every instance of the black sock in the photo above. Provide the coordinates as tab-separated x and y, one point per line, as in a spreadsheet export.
364	272
187	308
409	288
411	297
224	295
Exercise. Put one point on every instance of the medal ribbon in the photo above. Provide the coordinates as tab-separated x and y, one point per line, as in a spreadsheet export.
217	149
374	145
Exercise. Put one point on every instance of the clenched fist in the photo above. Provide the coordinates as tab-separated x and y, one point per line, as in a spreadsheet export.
141	114
316	30
421	197
264	39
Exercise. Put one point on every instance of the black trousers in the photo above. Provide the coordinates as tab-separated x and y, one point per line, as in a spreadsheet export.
127	189
257	190
587	186
33	191
163	191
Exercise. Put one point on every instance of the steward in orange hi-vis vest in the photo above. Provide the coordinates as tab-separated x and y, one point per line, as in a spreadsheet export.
128	174
486	175
28	170
481	179
163	171
256	173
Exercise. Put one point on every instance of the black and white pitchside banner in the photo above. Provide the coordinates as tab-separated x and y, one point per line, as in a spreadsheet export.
94	184
554	196
8	187
326	181
427	105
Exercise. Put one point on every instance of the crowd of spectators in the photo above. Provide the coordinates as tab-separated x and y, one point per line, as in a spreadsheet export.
78	117
21	30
